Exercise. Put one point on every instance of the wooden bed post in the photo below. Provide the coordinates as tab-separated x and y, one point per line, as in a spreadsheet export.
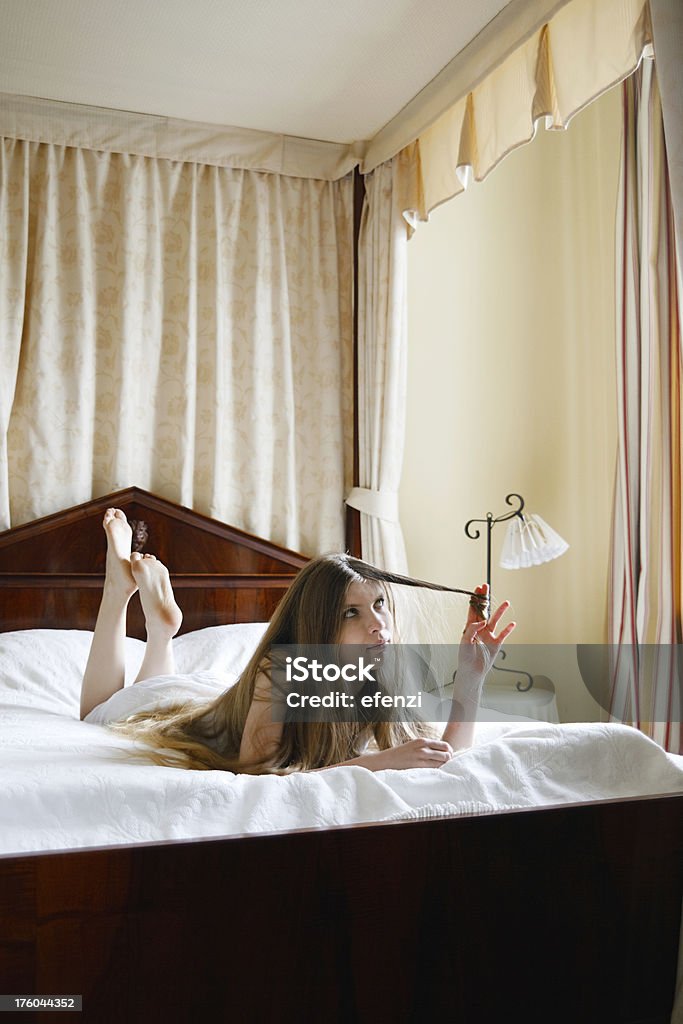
353	541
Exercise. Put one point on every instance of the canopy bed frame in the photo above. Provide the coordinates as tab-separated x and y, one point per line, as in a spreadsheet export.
563	914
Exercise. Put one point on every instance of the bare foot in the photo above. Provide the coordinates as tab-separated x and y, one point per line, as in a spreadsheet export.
118	575
162	614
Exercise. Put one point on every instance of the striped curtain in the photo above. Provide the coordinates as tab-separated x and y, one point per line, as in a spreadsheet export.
645	600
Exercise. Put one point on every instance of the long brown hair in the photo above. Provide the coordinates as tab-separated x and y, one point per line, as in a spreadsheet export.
209	736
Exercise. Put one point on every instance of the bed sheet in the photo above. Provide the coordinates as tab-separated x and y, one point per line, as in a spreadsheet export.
66	783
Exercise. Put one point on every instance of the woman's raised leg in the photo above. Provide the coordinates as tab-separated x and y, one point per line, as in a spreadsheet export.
162	615
106	667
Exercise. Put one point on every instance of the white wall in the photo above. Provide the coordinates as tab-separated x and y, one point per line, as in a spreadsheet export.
512	379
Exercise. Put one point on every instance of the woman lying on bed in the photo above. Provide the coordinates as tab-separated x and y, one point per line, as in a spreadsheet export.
335	599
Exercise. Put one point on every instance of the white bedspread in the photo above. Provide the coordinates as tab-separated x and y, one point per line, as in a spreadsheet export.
66	783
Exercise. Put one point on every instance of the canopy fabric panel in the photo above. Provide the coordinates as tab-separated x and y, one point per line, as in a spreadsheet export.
183	328
536	59
119	131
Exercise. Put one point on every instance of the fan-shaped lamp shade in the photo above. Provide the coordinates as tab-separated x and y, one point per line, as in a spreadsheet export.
530	541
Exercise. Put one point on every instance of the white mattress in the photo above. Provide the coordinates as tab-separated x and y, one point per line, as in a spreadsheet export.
66	783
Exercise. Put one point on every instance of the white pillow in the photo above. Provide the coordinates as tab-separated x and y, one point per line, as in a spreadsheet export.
43	668
218	650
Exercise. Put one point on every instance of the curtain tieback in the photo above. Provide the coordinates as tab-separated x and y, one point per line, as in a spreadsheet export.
380	504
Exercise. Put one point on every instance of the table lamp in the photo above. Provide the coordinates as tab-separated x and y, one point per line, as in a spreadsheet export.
528	541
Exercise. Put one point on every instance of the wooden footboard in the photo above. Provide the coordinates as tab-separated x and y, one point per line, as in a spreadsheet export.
569	914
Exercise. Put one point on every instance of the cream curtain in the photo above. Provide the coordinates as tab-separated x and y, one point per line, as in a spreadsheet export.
182	327
584	49
13	259
121	131
381	369
645	626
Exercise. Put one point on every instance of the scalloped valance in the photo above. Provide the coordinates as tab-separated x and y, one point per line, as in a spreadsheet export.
585	49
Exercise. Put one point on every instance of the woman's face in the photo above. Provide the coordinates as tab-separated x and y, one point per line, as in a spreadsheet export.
366	618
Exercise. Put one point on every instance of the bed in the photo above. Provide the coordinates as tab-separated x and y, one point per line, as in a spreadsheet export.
539	875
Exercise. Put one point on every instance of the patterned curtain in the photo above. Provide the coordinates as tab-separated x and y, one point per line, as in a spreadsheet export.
180	327
645	601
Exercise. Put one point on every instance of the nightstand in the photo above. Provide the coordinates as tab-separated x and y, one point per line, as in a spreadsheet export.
539	702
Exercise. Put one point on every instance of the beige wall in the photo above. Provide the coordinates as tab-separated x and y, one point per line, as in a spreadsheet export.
512	379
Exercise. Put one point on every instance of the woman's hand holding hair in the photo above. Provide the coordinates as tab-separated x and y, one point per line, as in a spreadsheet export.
479	646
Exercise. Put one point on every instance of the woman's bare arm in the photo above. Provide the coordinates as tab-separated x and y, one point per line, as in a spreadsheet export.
419	753
479	646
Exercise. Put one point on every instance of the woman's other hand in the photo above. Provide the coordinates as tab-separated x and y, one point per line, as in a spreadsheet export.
420	753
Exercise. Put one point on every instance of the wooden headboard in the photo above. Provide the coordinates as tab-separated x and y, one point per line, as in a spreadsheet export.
52	569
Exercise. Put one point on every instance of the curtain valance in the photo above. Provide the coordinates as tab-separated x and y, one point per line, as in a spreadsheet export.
119	131
585	49
537	59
